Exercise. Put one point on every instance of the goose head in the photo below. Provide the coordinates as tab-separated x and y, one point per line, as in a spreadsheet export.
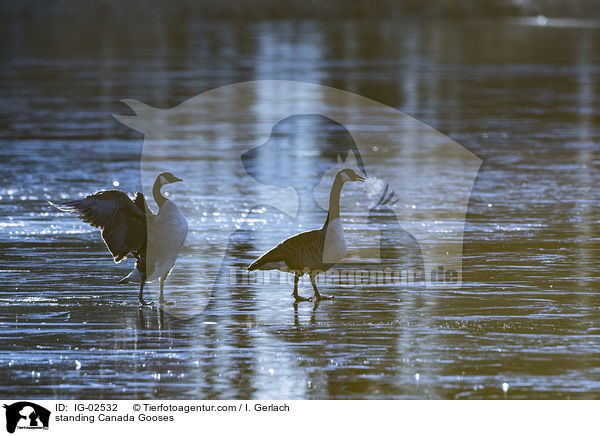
166	178
349	175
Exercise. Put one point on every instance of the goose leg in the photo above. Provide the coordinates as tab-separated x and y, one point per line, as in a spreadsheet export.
318	296
141	294
161	298
297	297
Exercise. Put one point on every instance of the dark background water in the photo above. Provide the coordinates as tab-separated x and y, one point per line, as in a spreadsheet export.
519	92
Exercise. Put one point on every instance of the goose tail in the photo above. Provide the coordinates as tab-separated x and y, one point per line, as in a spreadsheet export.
266	261
255	265
259	263
262	261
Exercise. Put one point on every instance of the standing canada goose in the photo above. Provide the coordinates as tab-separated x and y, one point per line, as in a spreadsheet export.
129	227
314	251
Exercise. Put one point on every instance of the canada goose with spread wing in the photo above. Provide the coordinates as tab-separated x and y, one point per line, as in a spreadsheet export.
129	227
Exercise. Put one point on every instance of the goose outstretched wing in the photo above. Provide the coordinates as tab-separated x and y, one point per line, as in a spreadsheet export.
122	221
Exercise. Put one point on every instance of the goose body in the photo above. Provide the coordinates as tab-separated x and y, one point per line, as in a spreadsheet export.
130	228
314	251
167	231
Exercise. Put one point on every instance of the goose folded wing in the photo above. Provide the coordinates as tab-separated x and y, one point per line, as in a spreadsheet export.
305	250
123	224
298	252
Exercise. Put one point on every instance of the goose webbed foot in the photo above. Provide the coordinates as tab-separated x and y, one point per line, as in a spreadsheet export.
323	297
144	302
318	296
141	294
161	297
298	298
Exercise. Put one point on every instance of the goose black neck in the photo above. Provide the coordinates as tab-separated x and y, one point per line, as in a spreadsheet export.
158	197
334	200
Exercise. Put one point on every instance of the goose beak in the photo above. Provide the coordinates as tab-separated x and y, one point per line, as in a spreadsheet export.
358	178
177	180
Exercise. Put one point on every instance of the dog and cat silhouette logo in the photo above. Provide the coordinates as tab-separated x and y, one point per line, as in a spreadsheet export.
26	415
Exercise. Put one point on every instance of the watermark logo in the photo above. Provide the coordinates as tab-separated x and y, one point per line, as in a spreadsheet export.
26	415
259	159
